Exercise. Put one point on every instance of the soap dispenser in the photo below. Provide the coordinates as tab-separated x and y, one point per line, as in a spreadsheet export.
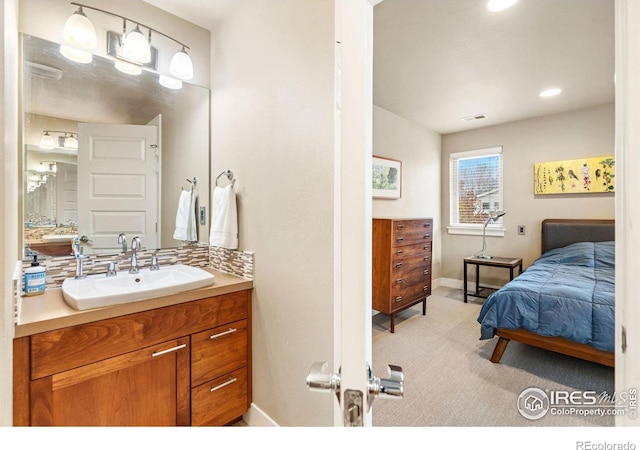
35	278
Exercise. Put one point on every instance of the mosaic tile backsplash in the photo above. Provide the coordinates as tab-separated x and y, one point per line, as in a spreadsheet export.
234	262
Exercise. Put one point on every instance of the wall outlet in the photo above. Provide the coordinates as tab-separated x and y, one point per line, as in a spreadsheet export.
520	229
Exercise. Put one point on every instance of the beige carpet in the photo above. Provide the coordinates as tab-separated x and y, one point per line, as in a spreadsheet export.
449	380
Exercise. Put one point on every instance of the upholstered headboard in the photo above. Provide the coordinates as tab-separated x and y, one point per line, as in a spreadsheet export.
561	232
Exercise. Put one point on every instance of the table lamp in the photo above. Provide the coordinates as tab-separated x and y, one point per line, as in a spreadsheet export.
493	216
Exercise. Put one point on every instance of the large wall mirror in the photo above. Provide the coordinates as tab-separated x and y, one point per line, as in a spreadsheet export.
92	116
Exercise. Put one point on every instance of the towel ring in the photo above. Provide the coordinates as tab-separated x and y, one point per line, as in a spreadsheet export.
229	175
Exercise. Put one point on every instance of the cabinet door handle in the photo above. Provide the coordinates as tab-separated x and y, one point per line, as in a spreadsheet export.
398	266
398	299
169	350
226	383
229	331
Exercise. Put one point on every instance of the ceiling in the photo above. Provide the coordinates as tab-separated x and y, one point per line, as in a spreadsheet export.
437	61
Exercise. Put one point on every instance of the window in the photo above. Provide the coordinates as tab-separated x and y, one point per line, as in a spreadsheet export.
475	190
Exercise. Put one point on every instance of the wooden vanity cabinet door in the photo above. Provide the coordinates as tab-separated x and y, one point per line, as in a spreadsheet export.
147	387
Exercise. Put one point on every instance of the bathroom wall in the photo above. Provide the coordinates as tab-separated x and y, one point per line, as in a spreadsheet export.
272	125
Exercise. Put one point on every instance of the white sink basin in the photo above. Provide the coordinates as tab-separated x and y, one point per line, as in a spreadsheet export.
96	291
58	238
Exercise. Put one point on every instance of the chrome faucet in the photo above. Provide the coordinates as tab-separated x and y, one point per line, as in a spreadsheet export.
122	239
135	246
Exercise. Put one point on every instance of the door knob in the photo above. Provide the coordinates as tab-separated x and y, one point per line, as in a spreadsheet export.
319	380
391	387
85	239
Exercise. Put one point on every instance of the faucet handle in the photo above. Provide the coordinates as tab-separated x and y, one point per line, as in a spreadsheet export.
111	268
154	263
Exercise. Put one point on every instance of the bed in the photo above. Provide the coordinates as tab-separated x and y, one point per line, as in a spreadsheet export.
564	301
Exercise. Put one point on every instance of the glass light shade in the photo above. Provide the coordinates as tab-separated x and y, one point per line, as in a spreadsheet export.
79	56
128	68
181	65
79	32
71	142
46	141
170	83
135	47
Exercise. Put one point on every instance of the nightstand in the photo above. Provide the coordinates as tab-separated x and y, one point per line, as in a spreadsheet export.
496	261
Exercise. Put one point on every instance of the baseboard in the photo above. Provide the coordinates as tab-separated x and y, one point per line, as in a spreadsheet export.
256	417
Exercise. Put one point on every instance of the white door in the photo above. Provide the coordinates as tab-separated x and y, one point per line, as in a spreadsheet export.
118	182
352	224
66	192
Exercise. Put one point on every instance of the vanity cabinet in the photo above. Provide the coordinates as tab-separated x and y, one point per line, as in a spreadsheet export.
401	266
184	364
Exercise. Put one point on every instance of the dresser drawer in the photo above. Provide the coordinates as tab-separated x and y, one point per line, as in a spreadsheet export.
221	400
402	295
218	351
408	232
407	262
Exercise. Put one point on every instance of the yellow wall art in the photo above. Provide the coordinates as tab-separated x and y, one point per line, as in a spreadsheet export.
575	176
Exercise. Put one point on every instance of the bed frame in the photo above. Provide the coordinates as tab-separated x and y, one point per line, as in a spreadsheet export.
559	233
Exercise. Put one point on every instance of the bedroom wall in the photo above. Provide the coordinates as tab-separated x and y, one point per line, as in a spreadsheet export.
576	134
419	150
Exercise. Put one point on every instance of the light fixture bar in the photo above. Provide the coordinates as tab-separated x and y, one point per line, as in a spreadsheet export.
131	20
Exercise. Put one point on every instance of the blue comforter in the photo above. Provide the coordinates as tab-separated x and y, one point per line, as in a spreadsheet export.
567	292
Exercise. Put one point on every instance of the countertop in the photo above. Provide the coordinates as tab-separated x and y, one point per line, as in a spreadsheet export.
49	311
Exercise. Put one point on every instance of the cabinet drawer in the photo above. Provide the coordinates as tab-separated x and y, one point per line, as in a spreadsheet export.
218	351
221	400
410	232
408	277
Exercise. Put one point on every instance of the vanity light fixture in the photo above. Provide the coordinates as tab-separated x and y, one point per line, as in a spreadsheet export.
79	37
134	51
68	140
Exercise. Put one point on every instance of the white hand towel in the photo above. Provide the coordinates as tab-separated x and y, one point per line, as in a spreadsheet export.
186	217
224	218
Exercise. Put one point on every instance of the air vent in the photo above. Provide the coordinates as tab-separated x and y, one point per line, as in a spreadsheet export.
48	72
476	117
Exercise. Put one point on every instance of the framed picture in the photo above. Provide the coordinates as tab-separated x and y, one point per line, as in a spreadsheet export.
575	176
387	178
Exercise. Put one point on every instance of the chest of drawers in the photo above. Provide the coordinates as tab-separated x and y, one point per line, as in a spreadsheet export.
401	264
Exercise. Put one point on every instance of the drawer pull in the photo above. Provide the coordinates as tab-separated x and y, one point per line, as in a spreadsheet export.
425	288
400	227
427	236
229	331
226	383
426	271
398	299
427	225
399	252
399	280
426	258
399	265
426	247
169	350
400	239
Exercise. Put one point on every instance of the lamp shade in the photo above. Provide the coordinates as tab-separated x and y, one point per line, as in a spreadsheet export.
181	65
46	141
79	32
136	47
71	142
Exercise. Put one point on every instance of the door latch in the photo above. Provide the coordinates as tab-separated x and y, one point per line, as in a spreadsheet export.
353	406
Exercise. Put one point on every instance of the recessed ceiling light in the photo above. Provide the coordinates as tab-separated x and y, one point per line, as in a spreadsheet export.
499	5
550	92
